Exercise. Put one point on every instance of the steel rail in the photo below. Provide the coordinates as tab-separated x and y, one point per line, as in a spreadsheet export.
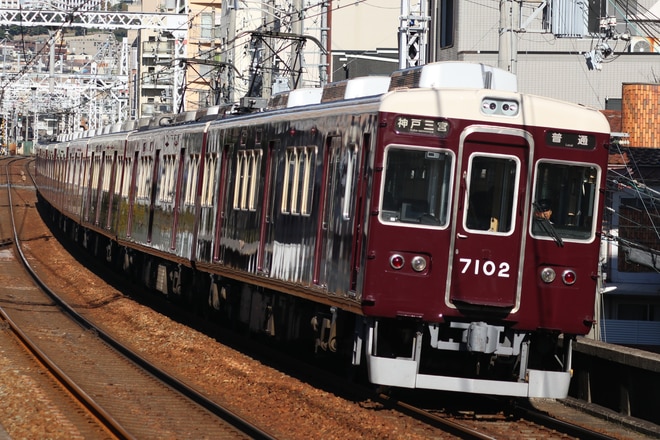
184	389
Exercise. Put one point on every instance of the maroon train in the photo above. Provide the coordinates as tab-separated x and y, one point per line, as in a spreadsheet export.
445	231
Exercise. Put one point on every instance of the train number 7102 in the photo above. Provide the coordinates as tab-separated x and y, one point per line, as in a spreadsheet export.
488	268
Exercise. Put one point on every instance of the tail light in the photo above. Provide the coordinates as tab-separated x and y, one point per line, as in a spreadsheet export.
568	277
397	261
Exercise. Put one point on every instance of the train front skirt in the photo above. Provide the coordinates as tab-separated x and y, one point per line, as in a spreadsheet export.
404	372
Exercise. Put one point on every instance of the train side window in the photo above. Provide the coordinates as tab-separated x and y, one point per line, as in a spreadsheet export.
107	172
288	171
193	178
245	179
255	163
248	166
139	178
85	169
416	186
241	164
144	177
96	167
565	197
298	183
164	178
76	171
171	182
116	178
73	165
126	183
295	181
308	180
166	191
211	176
351	170
168	164
190	180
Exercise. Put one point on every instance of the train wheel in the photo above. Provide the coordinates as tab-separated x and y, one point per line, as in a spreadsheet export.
198	293
208	296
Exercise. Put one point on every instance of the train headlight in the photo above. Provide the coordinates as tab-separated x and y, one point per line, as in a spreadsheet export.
418	264
569	277
397	261
548	275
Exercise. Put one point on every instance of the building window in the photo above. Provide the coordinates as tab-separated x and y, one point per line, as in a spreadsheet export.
206	27
446	23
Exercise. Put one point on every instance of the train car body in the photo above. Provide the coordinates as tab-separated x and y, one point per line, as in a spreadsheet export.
107	155
159	207
446	231
471	177
76	169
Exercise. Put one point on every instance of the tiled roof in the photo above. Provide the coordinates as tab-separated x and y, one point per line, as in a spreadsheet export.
641	162
642	157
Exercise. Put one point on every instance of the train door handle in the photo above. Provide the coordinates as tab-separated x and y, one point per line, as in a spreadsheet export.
459	235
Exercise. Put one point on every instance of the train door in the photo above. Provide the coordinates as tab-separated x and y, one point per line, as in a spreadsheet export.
152	196
104	181
333	258
358	239
92	187
113	189
133	191
265	256
488	226
220	202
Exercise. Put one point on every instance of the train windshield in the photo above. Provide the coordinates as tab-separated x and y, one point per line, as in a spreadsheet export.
416	186
564	201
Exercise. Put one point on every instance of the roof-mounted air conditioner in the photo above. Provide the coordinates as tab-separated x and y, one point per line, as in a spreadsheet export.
644	45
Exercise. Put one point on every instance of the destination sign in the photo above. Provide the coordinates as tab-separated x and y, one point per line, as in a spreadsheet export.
570	140
416	125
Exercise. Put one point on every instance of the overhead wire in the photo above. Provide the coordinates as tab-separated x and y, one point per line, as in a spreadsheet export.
7	82
648	201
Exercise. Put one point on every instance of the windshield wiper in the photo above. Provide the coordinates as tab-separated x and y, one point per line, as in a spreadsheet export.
547	225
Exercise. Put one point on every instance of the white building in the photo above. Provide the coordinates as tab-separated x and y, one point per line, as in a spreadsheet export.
553	48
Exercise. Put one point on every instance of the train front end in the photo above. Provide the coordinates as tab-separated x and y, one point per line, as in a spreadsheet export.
482	245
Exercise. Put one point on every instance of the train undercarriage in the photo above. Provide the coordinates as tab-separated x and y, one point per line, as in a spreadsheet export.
239	305
467	357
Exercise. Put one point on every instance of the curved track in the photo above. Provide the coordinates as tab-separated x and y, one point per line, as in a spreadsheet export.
73	341
123	393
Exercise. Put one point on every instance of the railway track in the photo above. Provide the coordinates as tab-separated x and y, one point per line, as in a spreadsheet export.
381	410
512	422
476	417
112	392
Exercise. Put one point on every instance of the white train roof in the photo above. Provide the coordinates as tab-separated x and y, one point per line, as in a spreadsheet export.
454	75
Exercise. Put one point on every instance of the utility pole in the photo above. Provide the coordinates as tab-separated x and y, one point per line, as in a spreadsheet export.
324	62
35	109
507	57
296	49
271	20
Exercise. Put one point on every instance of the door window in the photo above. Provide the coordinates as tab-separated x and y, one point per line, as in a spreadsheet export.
492	186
